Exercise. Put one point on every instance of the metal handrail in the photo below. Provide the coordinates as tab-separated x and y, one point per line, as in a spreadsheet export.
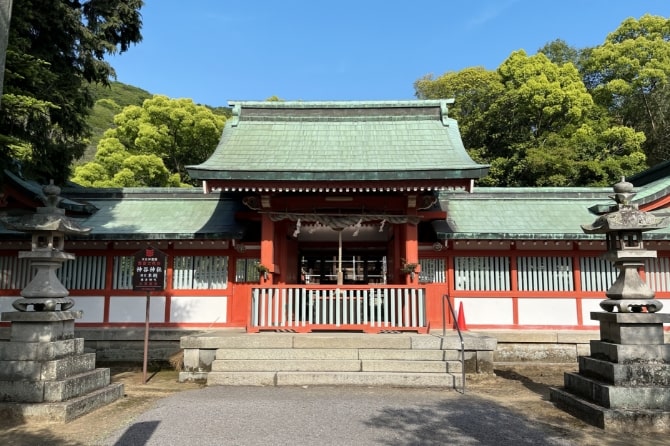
460	335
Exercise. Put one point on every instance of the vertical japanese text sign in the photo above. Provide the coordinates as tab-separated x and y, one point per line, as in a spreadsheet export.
149	270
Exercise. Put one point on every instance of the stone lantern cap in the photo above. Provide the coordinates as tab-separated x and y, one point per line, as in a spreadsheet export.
627	217
49	218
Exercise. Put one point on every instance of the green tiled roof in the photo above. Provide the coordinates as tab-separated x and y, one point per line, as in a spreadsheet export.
339	141
145	213
524	213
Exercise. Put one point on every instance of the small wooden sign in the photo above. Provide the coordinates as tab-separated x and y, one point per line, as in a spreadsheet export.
149	270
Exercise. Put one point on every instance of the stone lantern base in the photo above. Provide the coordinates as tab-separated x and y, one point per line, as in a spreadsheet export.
45	376
624	385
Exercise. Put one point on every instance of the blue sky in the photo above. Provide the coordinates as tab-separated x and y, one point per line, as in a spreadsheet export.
213	51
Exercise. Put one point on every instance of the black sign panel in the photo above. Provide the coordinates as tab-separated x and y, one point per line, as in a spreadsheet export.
149	270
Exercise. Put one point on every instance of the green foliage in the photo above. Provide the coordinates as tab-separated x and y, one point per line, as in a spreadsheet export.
628	75
56	48
535	123
109	101
152	144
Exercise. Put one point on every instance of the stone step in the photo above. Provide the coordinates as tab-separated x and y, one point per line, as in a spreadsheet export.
64	411
76	385
286	353
335	365
615	420
631	374
617	397
272	365
397	341
442	380
336	353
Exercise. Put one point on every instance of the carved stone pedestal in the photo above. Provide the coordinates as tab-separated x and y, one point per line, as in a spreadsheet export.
625	384
45	375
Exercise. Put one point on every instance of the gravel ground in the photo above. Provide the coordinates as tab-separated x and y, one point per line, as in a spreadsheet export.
510	408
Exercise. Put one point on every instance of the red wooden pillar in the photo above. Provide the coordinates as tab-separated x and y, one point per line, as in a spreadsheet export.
411	251
267	246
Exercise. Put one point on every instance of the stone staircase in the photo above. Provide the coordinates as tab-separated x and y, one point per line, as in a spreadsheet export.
313	359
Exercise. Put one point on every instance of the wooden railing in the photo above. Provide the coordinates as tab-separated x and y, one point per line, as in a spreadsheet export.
305	308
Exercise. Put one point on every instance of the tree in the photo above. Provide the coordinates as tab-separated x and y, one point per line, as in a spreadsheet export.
559	52
474	89
162	134
114	166
628	75
55	49
536	124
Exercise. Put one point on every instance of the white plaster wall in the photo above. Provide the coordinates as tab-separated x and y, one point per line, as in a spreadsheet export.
589	305
486	311
133	309
547	312
199	309
92	306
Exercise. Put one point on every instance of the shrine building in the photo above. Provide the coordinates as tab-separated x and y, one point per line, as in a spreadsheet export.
339	216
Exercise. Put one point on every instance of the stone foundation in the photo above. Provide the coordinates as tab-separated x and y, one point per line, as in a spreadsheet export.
625	384
45	375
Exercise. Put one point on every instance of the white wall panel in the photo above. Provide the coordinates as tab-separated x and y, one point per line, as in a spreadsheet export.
547	312
199	309
589	305
133	309
93	308
486	311
6	303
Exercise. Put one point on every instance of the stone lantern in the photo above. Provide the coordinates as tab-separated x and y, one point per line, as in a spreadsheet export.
624	385
45	375
623	229
48	227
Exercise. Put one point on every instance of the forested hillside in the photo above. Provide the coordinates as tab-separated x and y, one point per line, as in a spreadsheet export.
109	101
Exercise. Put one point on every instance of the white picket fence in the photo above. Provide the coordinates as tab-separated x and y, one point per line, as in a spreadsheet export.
278	307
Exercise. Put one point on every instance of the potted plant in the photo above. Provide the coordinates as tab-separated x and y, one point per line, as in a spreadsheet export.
263	270
408	268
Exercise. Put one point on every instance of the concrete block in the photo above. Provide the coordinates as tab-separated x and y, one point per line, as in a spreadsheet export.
260	340
42	331
636	334
191	359
368	379
241	378
64	367
613	420
404	366
429	342
279	365
536	353
484	362
76	386
618	397
576	337
405	355
344	340
630	353
26	391
62	412
287	353
627	375
20	370
40	351
192	377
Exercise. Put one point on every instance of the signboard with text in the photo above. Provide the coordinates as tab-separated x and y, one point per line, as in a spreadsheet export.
149	270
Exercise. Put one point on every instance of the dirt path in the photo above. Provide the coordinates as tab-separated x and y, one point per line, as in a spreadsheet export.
522	388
